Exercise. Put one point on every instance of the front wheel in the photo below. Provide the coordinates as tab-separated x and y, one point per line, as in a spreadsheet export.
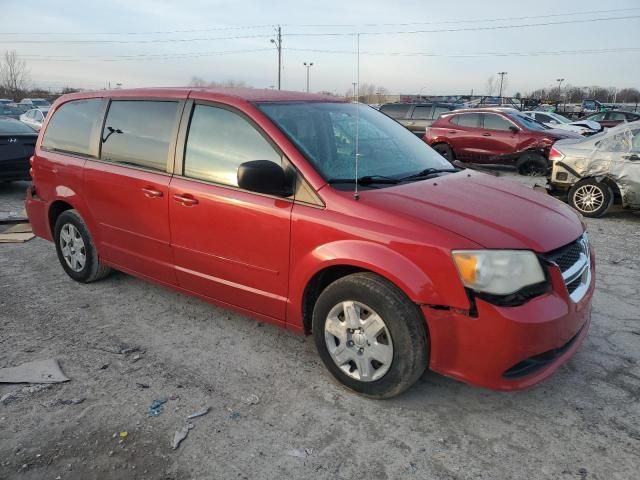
445	150
591	198
532	165
370	336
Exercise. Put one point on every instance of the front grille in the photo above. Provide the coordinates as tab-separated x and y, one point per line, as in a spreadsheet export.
574	262
565	257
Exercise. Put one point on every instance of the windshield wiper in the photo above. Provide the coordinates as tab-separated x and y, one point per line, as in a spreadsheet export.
367	180
428	171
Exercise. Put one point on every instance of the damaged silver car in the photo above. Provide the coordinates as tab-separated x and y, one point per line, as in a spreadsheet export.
598	171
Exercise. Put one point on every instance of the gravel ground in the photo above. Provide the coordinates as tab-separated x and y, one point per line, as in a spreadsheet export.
274	412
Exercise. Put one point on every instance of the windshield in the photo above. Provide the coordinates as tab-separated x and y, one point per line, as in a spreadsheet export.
326	134
560	118
527	122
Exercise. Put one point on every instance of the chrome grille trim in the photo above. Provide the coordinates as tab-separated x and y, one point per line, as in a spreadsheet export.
580	270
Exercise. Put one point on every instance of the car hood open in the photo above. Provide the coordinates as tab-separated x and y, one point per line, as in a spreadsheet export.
487	210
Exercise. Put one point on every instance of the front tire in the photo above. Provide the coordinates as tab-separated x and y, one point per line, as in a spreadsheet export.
76	251
532	165
591	198
370	336
445	150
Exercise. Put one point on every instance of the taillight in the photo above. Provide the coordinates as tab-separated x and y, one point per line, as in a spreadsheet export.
555	154
31	160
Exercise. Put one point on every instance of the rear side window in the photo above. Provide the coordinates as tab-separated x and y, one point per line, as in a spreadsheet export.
70	127
422	112
617	116
471	120
139	132
395	110
219	141
495	122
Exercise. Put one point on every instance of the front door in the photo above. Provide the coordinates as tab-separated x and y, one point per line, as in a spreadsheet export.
496	139
127	189
229	244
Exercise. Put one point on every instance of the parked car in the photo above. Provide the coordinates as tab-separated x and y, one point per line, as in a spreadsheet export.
495	136
23	107
7	110
249	199
596	172
612	118
555	120
17	143
4	101
34	117
416	116
36	102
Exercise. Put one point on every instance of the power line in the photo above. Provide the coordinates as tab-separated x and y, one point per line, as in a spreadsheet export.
341	34
467	29
336	25
168	56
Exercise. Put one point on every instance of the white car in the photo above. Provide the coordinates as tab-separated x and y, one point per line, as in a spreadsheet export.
554	120
36	102
34	117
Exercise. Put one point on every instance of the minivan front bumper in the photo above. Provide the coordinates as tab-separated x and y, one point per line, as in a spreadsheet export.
510	348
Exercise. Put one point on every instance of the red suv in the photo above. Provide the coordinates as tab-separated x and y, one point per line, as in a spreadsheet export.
251	199
495	136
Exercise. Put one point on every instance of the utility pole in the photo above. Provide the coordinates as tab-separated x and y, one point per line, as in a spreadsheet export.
308	65
278	43
502	74
355	94
559	80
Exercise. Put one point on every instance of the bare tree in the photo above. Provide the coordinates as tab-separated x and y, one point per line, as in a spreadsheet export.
201	82
491	85
14	75
369	93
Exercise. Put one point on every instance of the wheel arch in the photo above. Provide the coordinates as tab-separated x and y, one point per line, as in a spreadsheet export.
328	263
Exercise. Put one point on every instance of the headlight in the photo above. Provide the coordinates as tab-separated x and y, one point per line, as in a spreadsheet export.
498	272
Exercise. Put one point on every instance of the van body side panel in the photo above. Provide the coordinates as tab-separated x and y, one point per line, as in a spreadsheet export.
132	225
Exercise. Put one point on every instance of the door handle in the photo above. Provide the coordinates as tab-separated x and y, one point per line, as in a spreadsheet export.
452	131
185	199
151	192
486	134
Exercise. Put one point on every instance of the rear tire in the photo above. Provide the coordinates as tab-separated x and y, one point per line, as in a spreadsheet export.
76	251
591	198
532	165
387	349
445	150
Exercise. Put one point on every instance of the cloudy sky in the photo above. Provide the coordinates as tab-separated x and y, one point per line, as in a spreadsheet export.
453	48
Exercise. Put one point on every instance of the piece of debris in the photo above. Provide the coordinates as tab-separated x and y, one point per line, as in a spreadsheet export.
156	407
618	260
104	366
41	371
136	357
16	233
8	397
251	399
124	435
60	401
235	416
180	435
300	452
199	413
141	385
117	347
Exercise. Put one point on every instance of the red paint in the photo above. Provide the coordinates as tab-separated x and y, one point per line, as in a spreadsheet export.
483	145
257	253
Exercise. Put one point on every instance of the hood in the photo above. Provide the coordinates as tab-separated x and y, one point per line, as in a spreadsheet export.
587	124
560	134
487	210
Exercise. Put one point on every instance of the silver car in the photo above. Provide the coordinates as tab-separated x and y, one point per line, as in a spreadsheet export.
34	117
596	172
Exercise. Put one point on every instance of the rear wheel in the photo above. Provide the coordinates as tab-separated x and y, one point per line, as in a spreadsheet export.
370	336
532	165
445	150
76	250
591	198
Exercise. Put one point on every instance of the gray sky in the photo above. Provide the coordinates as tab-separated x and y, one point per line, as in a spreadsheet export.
53	40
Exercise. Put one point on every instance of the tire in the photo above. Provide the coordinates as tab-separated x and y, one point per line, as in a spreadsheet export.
532	165
445	150
591	198
73	243
380	359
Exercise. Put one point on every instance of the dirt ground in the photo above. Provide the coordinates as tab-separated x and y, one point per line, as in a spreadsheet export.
274	412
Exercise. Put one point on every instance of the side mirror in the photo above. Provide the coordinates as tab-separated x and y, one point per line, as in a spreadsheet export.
263	176
514	129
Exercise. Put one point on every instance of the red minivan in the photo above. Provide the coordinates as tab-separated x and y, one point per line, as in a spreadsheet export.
252	199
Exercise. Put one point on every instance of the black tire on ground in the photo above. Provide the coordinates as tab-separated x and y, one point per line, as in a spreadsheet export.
445	150
532	164
404	322
92	269
591	198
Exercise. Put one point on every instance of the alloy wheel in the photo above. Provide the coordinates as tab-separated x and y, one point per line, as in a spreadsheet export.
72	247
588	198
